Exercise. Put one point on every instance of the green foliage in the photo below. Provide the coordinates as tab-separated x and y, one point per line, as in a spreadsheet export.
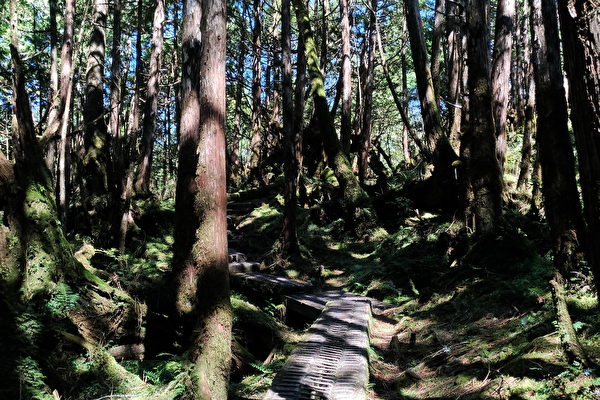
29	327
62	301
269	368
32	379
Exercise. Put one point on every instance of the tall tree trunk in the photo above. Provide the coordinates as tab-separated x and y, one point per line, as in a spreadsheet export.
66	92
352	194
505	21
239	91
407	126
200	255
561	200
454	71
53	98
484	179
360	86
299	103
289	237
126	147
346	78
115	74
114	125
536	182
529	96
407	129
367	116
436	40
142	184
176	45
256	90
580	26
96	158
442	154
324	35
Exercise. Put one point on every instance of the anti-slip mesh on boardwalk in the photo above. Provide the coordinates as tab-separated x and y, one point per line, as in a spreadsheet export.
332	364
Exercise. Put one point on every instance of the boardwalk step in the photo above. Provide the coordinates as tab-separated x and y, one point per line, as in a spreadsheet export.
332	364
264	283
310	305
236	256
244	266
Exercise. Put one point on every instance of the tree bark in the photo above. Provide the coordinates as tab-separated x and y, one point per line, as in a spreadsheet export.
126	148
367	116
239	91
256	91
436	40
46	263
289	245
324	35
346	78
66	92
352	194
478	147
407	126
454	71
438	144
115	74
529	112
580	27
53	98
200	255
501	67
299	104
96	158
561	200
142	183
407	129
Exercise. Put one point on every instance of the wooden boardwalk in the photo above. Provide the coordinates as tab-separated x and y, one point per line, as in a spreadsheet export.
332	364
310	305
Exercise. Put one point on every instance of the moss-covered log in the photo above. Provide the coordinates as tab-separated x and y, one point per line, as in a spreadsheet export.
568	337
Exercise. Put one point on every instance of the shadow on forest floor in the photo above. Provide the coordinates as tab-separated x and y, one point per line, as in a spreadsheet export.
482	321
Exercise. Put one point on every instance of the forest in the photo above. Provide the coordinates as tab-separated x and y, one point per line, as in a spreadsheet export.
299	199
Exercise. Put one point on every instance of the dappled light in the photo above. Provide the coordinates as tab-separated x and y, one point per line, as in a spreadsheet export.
299	199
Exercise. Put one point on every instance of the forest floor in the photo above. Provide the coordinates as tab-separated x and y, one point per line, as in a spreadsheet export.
471	320
467	324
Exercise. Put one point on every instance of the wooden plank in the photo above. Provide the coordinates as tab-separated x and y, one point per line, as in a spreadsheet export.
265	283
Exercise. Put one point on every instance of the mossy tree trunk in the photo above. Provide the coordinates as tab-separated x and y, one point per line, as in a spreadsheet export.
478	144
66	93
440	151
561	199
200	254
142	183
580	26
39	267
436	41
528	81
352	194
255	140
96	159
367	115
289	235
501	67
